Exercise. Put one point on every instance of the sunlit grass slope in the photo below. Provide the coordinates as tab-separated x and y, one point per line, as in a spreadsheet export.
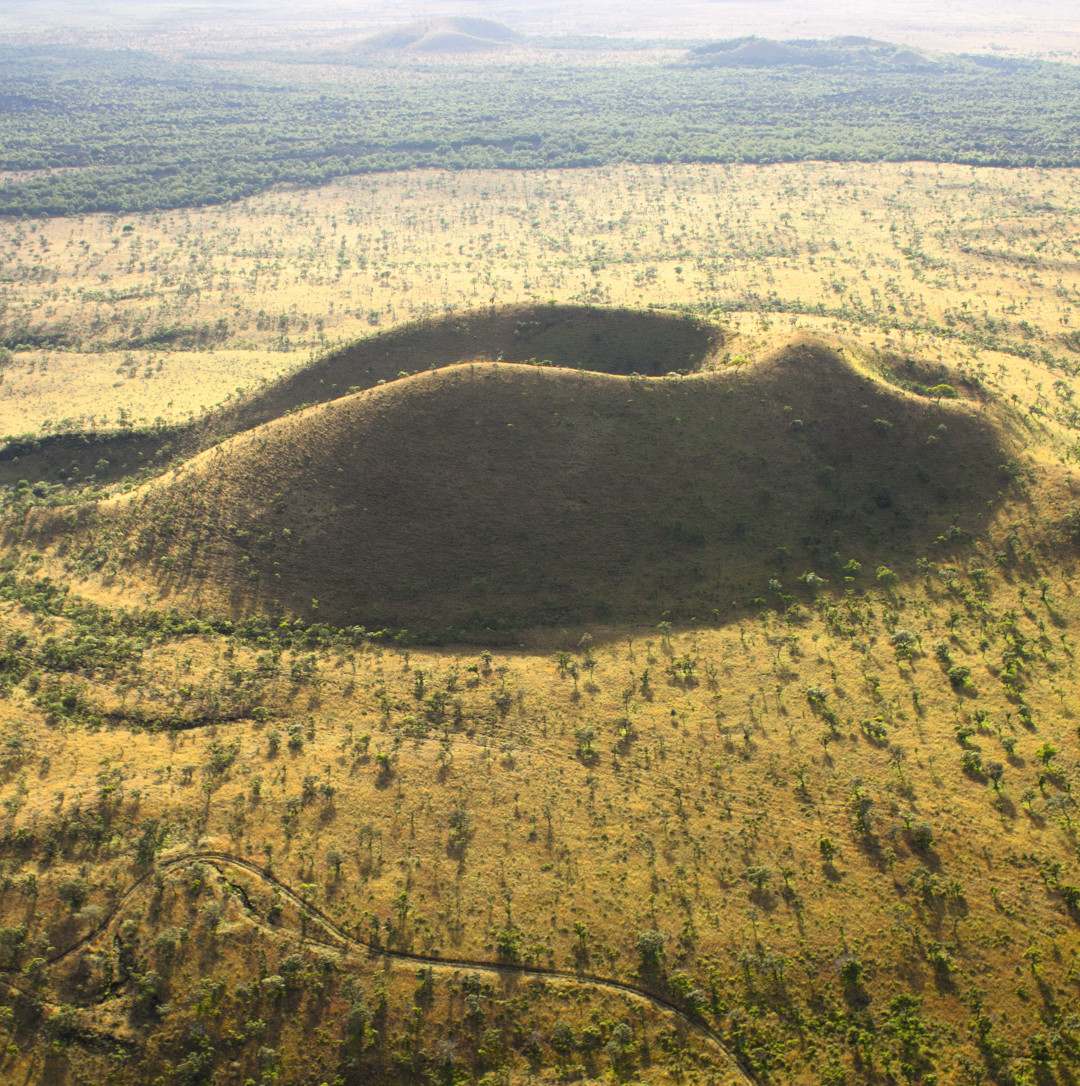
607	340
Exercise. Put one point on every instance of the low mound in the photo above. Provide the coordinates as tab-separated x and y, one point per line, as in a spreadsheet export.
488	495
752	53
459	34
842	52
606	340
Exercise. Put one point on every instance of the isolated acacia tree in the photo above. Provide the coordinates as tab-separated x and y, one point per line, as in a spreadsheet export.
586	743
650	945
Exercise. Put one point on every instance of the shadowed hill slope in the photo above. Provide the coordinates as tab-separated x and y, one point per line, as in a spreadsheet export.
613	341
845	52
490	495
606	340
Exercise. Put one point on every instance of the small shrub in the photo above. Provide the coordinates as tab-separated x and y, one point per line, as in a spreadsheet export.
904	644
1046	752
959	676
922	835
971	763
562	1039
72	892
813	582
759	877
816	695
851	971
459	825
650	945
586	743
508	944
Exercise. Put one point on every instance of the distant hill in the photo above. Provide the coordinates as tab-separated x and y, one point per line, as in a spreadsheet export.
455	34
842	52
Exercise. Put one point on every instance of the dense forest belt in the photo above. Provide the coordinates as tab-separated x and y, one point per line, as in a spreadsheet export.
337	938
122	132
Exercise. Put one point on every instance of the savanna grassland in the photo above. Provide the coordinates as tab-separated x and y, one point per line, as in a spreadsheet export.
516	627
832	824
137	319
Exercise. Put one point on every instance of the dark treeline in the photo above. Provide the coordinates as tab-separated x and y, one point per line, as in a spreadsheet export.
129	131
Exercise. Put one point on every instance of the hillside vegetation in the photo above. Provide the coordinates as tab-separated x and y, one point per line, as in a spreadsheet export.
845	52
606	340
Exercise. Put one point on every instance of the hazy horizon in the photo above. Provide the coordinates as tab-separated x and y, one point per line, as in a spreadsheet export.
1043	28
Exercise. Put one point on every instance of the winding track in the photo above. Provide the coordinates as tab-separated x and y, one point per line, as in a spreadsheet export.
339	939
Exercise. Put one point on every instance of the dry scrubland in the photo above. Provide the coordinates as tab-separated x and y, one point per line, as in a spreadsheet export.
258	287
820	829
859	868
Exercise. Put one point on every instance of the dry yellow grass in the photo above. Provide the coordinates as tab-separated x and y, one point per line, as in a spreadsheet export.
915	243
846	811
690	803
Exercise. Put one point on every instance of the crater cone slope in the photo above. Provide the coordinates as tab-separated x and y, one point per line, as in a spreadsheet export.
608	340
487	495
452	34
848	51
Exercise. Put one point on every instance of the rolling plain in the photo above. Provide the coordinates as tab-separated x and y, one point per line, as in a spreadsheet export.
536	626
